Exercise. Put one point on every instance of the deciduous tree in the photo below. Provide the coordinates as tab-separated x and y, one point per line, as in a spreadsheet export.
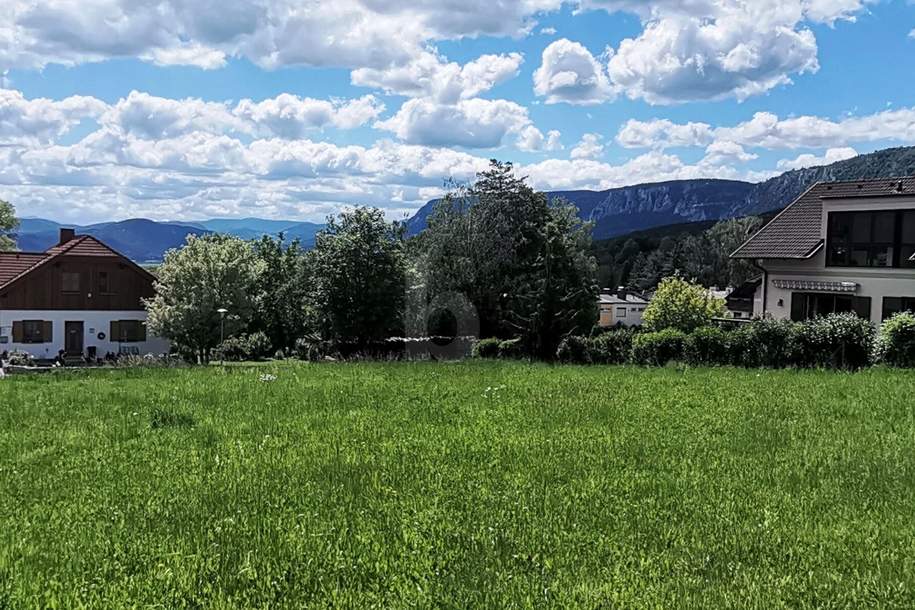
208	274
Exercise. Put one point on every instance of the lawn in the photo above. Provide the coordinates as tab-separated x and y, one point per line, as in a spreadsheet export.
458	485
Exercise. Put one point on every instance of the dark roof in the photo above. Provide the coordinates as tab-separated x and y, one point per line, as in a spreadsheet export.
796	232
15	265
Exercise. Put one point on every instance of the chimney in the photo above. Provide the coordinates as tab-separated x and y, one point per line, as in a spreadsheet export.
66	235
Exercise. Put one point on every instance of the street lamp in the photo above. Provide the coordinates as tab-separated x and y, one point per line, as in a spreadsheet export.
222	311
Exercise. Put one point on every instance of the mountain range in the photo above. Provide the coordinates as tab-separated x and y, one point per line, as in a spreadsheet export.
146	241
614	212
619	211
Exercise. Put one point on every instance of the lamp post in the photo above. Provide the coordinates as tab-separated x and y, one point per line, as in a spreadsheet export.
222	311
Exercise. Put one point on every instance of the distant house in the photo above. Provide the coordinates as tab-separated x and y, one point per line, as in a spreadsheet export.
80	297
840	247
622	308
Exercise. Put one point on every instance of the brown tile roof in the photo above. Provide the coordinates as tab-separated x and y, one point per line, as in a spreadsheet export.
14	265
796	232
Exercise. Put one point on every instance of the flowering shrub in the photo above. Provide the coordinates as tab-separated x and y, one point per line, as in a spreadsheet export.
658	348
841	340
681	305
255	346
896	343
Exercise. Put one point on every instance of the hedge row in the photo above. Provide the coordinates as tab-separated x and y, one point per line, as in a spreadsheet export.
841	341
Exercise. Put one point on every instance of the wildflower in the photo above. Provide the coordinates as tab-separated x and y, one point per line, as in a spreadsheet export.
267	378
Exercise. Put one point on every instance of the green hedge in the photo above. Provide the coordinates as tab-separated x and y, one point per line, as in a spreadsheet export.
895	345
658	348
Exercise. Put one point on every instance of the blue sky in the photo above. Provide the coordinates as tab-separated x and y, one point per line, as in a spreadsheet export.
286	109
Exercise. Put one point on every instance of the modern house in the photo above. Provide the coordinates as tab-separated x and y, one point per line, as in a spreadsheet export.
622	308
80	297
841	246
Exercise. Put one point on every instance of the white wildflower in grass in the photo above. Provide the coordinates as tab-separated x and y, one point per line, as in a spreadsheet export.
267	378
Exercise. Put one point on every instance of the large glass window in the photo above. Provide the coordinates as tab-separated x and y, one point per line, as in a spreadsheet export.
893	305
871	239
807	305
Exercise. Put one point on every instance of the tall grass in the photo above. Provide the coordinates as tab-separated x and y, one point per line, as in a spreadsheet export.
460	485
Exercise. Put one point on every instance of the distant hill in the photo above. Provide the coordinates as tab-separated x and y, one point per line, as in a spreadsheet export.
623	210
146	241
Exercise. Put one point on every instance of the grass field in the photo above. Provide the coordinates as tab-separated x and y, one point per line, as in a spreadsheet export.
459	485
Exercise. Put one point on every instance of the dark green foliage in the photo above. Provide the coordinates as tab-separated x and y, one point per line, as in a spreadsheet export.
521	261
312	348
574	349
511	349
358	279
699	251
896	343
613	346
841	341
255	346
486	348
707	346
658	348
165	418
282	287
766	342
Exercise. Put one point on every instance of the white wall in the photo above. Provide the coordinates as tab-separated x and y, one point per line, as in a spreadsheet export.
94	322
609	315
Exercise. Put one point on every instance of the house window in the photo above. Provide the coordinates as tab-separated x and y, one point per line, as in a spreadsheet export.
807	305
620	312
871	239
69	281
893	305
32	331
128	331
104	283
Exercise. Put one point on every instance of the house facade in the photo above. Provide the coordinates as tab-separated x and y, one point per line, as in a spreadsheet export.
621	308
840	247
79	297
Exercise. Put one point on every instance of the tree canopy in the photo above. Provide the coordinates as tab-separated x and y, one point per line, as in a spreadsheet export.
209	273
358	278
8	224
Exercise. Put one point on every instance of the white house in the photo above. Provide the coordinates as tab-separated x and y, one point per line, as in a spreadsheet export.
80	297
841	246
622	308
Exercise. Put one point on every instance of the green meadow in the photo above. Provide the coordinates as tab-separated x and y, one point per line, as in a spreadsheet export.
478	484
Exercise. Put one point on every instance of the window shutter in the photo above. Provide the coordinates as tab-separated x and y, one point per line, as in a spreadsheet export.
115	334
17	332
141	332
47	333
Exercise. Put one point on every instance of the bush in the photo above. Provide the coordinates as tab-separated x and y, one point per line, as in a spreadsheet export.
681	305
614	347
765	342
574	350
658	348
486	348
511	349
706	346
242	348
896	342
841	340
311	348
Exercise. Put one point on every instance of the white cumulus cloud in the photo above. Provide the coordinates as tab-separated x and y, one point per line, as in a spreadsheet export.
832	155
589	147
570	73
